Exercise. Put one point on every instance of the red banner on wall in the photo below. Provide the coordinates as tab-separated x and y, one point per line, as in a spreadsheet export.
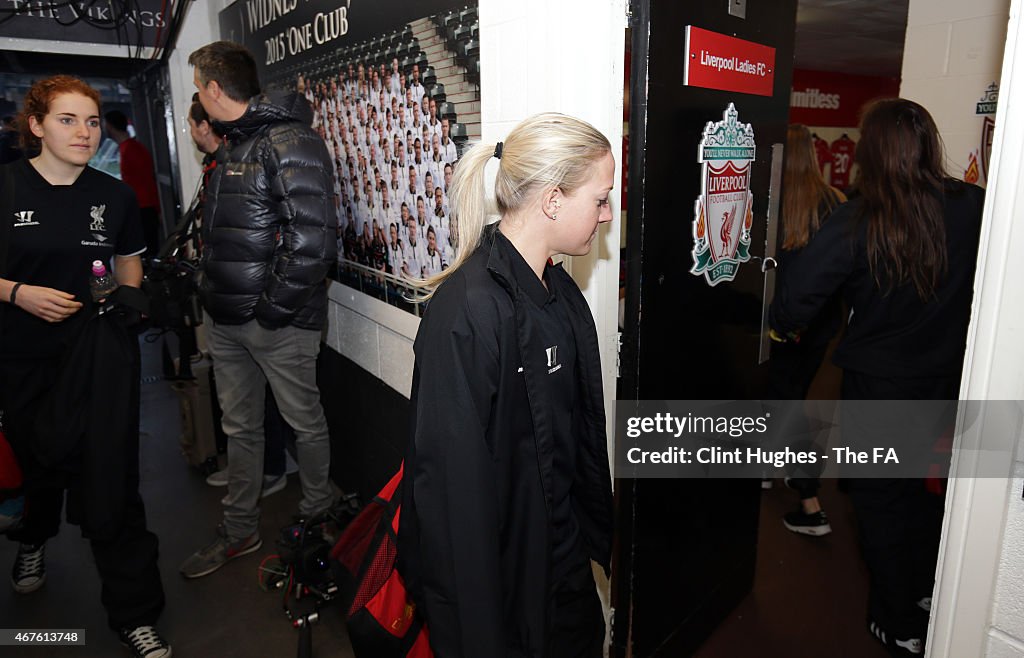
718	61
827	99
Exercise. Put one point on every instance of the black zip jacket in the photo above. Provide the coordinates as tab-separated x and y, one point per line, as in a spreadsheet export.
475	534
820	330
269	219
87	424
894	334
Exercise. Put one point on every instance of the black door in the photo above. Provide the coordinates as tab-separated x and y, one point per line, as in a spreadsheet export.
686	549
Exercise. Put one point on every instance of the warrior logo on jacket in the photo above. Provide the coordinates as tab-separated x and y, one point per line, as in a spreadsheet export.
723	211
552	354
24	218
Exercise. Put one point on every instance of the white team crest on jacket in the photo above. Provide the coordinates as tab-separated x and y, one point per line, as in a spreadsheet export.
97	218
24	218
552	354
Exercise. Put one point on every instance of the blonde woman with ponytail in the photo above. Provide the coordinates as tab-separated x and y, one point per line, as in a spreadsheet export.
807	201
507	494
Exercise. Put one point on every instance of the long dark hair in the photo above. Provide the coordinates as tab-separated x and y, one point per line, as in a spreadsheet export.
805	194
901	184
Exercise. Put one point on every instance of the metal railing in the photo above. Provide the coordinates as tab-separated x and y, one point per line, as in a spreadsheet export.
394	290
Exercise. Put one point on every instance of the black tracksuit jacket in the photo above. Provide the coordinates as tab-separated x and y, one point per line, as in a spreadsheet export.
475	533
892	334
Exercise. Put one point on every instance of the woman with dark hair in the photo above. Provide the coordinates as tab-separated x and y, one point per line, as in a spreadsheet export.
506	492
66	215
903	253
807	200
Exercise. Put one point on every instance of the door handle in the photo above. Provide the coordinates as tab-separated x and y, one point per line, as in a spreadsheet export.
769	263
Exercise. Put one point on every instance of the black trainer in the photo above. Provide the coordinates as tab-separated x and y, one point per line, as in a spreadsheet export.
815	525
29	572
145	642
913	646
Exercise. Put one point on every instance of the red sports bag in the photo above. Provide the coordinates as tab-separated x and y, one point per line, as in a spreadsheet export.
382	621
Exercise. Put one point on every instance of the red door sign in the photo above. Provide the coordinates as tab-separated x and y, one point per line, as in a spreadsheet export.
718	61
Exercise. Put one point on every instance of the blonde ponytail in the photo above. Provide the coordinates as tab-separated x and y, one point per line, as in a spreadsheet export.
468	202
544	151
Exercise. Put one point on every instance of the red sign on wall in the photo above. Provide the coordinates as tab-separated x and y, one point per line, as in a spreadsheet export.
718	61
827	99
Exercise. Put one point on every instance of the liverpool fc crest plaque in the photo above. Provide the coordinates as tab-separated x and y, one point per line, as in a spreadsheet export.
723	211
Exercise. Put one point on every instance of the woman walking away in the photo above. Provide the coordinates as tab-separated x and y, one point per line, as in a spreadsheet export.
903	252
507	495
807	201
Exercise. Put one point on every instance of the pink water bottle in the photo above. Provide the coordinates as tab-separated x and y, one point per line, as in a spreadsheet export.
101	284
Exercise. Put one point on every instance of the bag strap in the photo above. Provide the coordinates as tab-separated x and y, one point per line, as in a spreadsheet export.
180	236
185	230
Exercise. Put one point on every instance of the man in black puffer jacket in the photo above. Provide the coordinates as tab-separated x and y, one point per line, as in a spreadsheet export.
268	241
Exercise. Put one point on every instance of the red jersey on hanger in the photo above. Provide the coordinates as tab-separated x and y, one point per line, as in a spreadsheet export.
842	161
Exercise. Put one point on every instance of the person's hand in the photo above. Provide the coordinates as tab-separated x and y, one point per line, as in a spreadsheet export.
46	303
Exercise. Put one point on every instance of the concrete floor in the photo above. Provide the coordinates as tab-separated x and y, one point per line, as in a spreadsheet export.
810	593
223	615
809	598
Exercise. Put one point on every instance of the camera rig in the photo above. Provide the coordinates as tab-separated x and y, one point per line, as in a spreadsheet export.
169	283
303	567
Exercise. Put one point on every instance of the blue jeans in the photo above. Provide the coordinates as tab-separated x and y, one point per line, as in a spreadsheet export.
246	358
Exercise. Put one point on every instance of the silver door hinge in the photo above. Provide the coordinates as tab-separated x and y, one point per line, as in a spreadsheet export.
618	354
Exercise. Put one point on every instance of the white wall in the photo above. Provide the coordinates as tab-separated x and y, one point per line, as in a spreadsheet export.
952	54
376	336
953	51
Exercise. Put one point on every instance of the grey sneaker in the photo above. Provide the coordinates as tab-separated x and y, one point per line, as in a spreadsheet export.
29	572
145	642
207	560
218	478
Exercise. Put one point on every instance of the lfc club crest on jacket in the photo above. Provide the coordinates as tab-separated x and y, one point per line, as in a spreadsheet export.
723	211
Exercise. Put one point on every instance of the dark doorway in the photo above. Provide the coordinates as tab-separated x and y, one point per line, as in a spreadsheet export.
687	549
